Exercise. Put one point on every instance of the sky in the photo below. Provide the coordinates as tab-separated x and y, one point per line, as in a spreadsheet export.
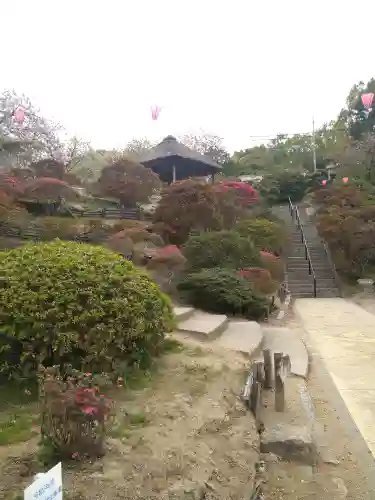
244	70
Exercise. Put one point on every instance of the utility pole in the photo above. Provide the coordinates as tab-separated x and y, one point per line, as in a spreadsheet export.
313	145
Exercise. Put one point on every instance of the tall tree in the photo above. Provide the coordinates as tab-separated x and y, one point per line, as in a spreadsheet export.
357	119
90	166
129	182
136	147
74	151
35	127
207	144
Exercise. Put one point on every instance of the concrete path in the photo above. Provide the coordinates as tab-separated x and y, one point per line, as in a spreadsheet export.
344	334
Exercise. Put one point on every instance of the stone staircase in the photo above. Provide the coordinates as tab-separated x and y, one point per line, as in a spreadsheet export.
300	281
217	330
247	337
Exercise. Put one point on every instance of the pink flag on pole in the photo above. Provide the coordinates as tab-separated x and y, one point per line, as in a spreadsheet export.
367	100
345	179
155	111
19	115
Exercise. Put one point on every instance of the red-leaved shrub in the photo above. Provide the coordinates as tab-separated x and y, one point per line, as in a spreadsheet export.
189	205
260	278
74	412
274	265
245	193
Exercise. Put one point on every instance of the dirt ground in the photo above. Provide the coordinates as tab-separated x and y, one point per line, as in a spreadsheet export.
345	467
185	436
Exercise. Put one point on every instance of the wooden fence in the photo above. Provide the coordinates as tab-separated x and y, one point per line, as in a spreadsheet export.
39	234
269	374
113	213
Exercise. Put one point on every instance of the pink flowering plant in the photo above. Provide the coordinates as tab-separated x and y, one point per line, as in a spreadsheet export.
74	411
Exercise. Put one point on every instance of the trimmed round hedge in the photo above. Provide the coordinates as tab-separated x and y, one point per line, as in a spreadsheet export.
225	249
223	291
64	302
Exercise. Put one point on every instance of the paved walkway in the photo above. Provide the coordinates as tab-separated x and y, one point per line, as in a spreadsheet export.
344	333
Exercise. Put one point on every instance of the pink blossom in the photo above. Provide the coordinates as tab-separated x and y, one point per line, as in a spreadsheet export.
89	410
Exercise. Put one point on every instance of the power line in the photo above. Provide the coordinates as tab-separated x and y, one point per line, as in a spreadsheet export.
306	134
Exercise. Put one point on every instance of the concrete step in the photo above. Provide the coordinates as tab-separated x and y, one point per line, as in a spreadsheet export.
241	336
203	325
325	294
302	286
321	282
289	342
183	313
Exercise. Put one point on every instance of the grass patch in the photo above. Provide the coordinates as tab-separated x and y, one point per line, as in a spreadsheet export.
18	420
138	378
123	426
172	345
18	427
17	394
196	351
139	419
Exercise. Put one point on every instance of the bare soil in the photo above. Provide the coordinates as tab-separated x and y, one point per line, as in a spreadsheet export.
185	436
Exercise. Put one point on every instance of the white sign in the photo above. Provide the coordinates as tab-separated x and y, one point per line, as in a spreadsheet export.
48	486
365	281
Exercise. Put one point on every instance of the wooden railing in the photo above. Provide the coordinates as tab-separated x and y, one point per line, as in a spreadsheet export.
295	215
113	213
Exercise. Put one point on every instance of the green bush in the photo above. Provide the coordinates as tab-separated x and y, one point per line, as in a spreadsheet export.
278	188
220	249
223	291
266	235
65	301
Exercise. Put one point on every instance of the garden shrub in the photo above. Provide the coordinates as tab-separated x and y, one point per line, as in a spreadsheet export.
74	413
128	182
49	228
134	241
165	266
342	196
138	235
266	235
260	279
220	249
346	221
274	265
189	206
350	235
68	301
245	194
278	188
223	291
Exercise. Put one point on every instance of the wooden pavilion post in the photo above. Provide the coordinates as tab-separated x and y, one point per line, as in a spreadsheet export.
173	174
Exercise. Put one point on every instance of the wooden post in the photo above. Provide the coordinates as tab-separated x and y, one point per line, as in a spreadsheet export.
256	389
282	370
268	369
255	401
248	387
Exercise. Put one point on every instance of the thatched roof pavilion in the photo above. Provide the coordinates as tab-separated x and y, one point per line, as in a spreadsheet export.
173	161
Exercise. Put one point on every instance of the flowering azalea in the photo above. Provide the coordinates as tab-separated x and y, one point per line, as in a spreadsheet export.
90	410
247	194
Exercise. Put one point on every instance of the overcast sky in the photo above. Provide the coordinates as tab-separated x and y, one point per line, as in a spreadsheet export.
238	68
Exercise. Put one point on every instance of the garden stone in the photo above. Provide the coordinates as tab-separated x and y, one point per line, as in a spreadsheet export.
289	442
